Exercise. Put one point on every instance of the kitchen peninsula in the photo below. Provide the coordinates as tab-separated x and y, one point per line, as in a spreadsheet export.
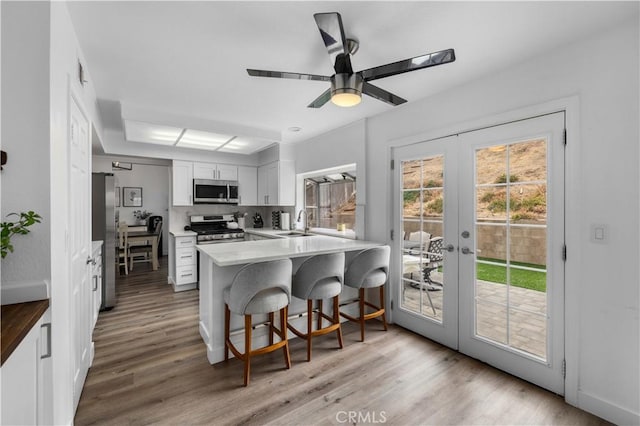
219	263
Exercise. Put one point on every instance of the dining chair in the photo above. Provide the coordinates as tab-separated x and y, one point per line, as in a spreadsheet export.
144	253
123	246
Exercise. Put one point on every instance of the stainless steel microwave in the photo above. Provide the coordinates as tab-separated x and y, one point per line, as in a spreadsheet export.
207	191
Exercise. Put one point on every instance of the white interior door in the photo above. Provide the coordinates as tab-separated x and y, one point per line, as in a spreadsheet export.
495	198
80	244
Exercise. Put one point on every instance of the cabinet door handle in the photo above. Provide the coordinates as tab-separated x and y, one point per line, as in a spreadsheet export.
48	327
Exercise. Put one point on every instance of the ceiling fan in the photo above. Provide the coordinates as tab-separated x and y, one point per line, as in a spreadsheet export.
347	86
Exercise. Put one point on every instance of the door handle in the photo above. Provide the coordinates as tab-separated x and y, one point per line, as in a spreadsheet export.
450	248
47	326
91	260
466	250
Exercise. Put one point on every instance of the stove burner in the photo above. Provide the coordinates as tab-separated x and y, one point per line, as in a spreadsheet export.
213	229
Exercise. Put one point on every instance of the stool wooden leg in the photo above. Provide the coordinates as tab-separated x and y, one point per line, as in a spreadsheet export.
247	348
319	314
384	313
361	319
336	319
271	316
227	318
283	328
309	327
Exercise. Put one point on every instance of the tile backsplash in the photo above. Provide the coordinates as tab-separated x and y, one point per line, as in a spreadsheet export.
179	216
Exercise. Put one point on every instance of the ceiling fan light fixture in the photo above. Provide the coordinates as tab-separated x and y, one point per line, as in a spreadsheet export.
346	89
346	98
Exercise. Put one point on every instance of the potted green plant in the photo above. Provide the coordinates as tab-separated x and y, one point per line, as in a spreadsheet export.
9	229
142	216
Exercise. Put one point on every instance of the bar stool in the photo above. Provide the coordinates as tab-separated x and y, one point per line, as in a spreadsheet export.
369	269
259	288
319	277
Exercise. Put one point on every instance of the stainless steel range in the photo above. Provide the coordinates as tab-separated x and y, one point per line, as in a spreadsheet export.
216	229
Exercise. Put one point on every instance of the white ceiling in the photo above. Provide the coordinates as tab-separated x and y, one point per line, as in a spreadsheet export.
190	58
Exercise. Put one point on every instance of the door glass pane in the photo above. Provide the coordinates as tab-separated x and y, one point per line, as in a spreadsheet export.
511	234
491	321
491	165
491	204
422	259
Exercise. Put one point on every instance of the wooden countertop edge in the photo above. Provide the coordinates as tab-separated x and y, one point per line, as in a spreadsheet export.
16	322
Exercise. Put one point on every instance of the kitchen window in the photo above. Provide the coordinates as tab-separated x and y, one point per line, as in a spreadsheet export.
330	203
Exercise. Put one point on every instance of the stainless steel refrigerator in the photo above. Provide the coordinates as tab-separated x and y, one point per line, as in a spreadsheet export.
104	217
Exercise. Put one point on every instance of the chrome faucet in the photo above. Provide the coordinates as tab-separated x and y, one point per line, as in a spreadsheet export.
306	220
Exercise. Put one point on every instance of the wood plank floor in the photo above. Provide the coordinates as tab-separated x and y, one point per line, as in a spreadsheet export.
150	367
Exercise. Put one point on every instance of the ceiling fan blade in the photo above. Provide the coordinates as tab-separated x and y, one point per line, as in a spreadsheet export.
381	94
321	100
291	75
332	32
411	64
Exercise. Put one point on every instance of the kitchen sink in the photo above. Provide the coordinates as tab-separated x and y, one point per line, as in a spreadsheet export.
294	234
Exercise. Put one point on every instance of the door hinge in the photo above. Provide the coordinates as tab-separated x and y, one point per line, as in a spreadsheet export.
564	252
565	137
564	368
392	164
391	235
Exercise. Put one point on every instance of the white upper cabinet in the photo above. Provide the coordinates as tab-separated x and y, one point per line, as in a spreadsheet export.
247	186
215	171
182	180
276	184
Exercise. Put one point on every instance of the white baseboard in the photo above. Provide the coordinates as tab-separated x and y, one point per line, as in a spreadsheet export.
183	287
607	409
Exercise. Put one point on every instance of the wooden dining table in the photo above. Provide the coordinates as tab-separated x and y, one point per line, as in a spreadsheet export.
148	237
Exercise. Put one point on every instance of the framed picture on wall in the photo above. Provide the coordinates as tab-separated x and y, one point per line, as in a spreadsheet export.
131	196
117	191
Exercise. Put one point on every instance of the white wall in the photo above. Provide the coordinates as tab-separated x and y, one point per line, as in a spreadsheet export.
25	115
603	280
153	177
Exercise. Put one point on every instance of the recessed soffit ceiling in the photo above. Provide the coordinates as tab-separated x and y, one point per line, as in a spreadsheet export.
142	132
191	57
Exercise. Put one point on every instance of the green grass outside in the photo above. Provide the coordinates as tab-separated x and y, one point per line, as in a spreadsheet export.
531	280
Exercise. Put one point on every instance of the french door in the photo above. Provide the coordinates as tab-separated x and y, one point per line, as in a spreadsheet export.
479	261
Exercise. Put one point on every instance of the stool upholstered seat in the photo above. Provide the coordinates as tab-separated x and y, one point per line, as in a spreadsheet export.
259	288
319	277
368	269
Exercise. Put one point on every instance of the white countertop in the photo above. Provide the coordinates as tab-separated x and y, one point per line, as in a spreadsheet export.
279	248
183	233
267	232
275	233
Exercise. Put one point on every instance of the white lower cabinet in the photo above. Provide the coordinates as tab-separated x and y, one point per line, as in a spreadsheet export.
183	259
27	392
